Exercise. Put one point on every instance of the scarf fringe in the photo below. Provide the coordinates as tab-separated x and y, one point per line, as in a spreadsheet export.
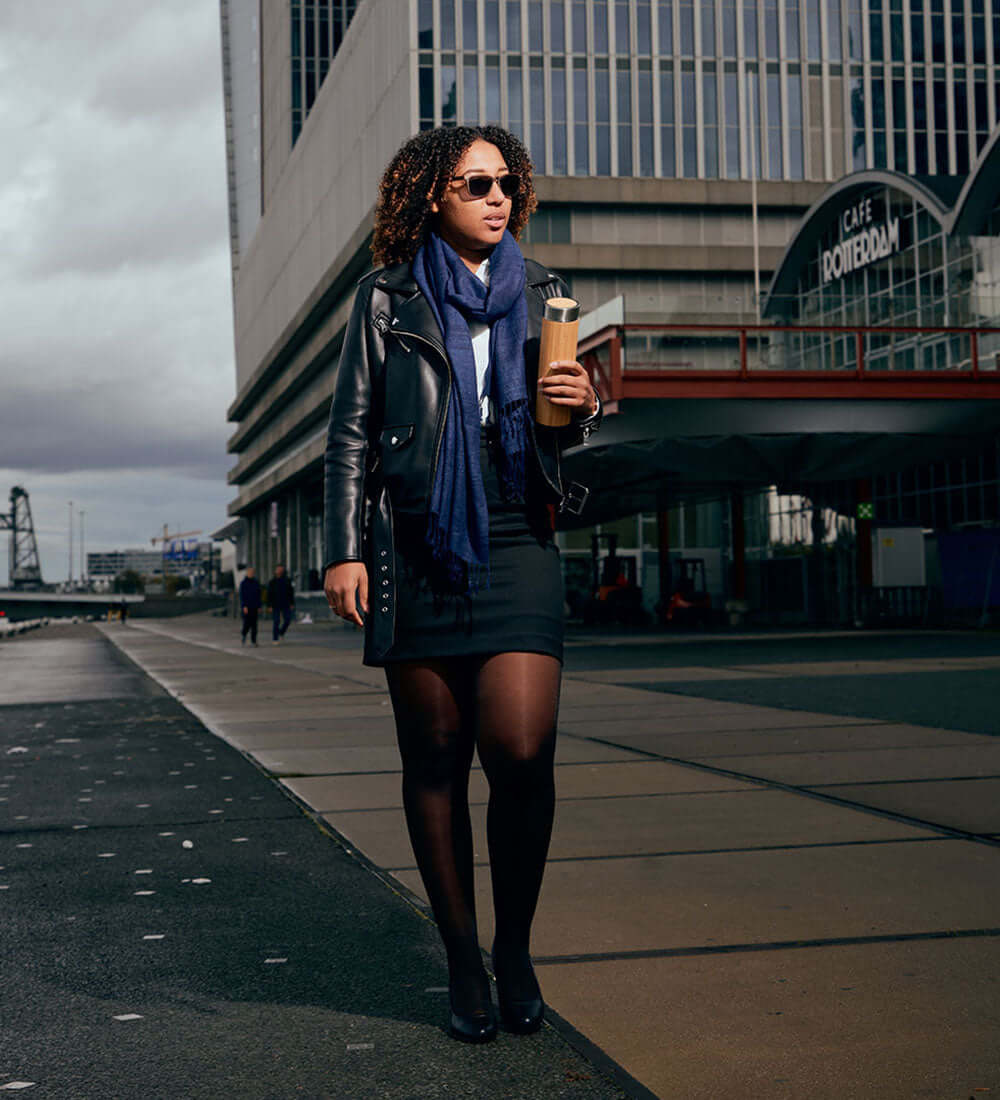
513	441
466	576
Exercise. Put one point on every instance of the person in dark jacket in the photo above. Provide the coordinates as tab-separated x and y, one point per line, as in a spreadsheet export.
440	493
281	600
250	600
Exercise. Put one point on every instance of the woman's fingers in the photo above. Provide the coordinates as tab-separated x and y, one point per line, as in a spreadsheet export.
342	585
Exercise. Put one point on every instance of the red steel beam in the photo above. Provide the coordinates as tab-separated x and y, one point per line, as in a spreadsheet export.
876	388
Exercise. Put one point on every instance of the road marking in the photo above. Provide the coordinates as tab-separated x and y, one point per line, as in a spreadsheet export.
144	893
187	843
143	871
154	936
269	961
360	1046
240	839
165	834
128	1016
12	1085
106	855
200	881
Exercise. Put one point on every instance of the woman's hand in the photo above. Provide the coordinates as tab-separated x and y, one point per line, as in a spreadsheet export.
346	588
567	383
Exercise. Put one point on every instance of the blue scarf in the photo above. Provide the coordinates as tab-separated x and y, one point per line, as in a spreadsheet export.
458	522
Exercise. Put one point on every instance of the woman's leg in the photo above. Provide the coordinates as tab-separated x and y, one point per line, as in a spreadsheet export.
517	700
433	705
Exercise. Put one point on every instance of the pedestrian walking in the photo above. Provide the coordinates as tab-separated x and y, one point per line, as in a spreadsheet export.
281	600
441	492
250	601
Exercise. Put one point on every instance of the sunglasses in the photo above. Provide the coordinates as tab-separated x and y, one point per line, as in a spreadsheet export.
480	186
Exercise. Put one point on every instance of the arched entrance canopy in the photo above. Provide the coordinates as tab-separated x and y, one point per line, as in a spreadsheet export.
979	195
935	193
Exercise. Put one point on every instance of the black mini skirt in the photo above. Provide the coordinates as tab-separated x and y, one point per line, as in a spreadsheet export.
521	609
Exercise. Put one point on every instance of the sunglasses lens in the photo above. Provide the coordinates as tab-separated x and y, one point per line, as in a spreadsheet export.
479	186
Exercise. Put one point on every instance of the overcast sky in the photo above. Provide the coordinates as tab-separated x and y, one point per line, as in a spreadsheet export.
116	347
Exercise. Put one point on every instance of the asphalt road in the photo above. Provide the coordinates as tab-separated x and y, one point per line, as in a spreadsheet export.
174	925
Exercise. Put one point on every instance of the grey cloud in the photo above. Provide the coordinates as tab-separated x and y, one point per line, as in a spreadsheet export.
116	363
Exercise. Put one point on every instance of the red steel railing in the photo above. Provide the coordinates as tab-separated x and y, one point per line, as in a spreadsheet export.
820	361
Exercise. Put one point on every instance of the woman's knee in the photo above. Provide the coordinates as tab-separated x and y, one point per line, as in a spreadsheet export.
434	755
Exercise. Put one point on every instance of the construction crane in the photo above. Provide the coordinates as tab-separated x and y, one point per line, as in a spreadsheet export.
165	537
25	567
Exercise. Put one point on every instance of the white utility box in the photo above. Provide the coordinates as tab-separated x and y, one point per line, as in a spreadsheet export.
898	557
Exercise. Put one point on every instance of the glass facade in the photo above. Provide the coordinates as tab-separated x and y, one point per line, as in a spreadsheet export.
317	29
675	88
928	278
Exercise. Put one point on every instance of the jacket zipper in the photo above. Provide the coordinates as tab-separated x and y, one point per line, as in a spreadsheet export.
443	416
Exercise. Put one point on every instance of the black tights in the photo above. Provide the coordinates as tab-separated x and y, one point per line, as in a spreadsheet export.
506	706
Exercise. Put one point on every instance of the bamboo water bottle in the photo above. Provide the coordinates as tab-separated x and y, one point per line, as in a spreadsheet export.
559	331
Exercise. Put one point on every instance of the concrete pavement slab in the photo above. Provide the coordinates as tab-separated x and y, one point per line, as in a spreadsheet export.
901	1020
884	735
752	897
757	718
645	825
334	733
808	769
969	804
382	791
329	761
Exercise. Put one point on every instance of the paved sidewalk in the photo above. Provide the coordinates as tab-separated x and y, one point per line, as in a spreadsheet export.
175	926
743	899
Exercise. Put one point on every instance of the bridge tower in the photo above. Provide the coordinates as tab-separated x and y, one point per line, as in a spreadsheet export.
25	568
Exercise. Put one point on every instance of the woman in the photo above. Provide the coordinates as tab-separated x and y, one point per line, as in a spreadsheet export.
441	493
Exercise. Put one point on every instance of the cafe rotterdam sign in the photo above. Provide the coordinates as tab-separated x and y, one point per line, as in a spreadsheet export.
863	241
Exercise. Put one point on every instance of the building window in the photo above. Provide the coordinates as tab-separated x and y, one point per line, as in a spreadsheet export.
624	89
551	225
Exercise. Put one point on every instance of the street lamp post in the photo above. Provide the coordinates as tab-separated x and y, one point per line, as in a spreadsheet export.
83	553
70	503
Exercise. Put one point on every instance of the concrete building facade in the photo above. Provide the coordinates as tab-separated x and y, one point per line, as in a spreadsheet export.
677	144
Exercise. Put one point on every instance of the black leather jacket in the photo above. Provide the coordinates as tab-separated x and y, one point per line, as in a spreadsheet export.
386	421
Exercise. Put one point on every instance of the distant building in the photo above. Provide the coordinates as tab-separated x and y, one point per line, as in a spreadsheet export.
149	563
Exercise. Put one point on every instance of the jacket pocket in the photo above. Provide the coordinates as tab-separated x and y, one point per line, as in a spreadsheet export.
396	438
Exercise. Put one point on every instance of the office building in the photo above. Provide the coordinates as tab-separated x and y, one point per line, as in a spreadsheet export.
677	147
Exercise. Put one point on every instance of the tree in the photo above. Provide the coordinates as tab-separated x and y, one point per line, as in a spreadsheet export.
173	584
129	582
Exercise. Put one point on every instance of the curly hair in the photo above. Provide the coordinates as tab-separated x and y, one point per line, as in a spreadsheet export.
418	175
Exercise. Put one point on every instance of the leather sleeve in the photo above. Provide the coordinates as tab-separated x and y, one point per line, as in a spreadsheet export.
347	440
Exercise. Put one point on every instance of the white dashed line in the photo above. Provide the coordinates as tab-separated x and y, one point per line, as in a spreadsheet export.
143	871
270	961
154	936
165	834
200	881
128	1016
144	893
12	1085
106	855
240	839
